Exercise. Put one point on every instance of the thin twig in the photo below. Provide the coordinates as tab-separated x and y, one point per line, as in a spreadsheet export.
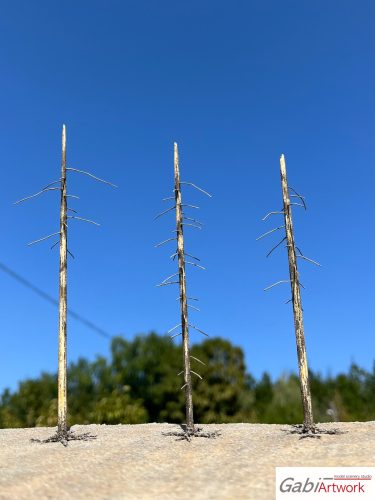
82	219
192	256
302	198
193	307
199	361
309	260
193	220
191	225
269	232
274	248
277	283
189	298
299	205
197	187
174	255
92	176
195	265
37	194
271	213
169	277
175	335
51	184
165	241
198	330
197	374
165	212
168	283
190	206
174	328
44	238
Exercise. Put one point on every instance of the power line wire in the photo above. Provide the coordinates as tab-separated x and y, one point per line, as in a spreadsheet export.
53	301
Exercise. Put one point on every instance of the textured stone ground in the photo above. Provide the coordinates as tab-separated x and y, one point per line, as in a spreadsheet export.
138	462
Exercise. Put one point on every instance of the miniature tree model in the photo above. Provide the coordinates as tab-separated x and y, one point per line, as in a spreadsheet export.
308	428
296	301
63	434
183	220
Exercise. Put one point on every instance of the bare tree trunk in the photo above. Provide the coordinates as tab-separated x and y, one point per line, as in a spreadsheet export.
296	299
62	424
183	296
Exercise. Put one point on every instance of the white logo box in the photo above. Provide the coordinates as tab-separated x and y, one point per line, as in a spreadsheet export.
303	483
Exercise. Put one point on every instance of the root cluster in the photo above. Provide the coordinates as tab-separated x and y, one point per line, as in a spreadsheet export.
312	431
64	437
189	433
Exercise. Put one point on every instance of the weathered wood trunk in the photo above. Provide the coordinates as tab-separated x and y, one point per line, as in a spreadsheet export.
183	296
62	422
296	300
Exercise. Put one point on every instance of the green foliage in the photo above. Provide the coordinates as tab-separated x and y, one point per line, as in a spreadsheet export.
149	365
139	383
225	394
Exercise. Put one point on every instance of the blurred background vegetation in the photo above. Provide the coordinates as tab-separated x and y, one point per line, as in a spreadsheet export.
139	383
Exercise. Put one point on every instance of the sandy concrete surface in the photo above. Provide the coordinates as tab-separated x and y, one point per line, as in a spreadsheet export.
138	462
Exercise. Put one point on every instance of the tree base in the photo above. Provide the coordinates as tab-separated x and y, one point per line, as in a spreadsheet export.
64	437
187	433
312	431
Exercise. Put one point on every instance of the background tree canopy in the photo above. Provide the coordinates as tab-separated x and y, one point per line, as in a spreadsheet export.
139	383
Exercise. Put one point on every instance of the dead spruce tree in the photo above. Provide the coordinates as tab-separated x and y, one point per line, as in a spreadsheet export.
183	220
308	428
63	433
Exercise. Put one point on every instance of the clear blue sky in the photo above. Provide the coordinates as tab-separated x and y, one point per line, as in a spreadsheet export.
235	84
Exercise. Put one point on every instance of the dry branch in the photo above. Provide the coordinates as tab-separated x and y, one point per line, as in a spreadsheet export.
191	225
309	260
274	248
91	175
37	194
195	265
199	330
271	213
199	361
42	239
193	307
164	212
189	206
84	220
163	242
193	220
277	283
197	187
268	232
168	283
